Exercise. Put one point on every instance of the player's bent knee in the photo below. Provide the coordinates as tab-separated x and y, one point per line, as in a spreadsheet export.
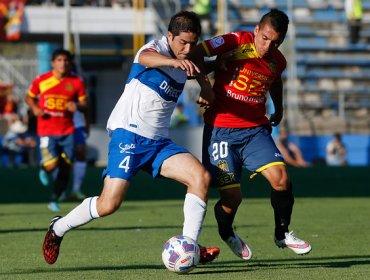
206	178
281	185
231	200
106	208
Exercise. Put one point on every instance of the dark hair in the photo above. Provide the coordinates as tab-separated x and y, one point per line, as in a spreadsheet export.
278	20
59	52
338	136
185	21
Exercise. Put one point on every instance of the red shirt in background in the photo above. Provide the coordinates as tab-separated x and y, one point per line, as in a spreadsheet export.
53	96
241	90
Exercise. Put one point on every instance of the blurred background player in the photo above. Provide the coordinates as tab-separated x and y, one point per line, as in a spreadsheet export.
178	117
53	98
291	152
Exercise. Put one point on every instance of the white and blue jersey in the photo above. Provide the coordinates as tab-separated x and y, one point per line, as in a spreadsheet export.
149	98
139	123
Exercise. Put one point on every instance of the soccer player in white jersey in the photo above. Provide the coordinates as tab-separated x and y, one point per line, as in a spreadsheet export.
138	127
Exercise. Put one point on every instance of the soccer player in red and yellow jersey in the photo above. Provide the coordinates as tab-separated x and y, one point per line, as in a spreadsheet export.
237	130
53	97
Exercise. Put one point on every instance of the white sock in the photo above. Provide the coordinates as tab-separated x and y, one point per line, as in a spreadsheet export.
79	171
194	212
82	214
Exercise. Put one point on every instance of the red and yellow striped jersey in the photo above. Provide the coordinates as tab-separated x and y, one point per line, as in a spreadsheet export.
53	96
241	89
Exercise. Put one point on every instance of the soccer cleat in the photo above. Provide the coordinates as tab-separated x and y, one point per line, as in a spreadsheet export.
50	248
77	195
44	177
239	248
208	254
53	206
295	244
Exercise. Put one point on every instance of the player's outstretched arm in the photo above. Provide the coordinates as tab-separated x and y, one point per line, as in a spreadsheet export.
276	93
206	96
31	102
152	59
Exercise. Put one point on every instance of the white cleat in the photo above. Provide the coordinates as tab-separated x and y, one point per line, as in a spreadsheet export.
239	248
295	244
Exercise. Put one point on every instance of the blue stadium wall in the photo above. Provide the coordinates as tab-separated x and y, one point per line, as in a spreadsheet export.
314	147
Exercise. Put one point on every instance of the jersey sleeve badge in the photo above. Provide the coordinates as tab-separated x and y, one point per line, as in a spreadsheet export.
217	41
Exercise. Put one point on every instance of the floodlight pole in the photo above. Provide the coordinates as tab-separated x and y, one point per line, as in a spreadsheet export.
292	99
222	7
67	31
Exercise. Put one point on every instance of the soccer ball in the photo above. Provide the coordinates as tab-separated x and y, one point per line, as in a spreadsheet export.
180	254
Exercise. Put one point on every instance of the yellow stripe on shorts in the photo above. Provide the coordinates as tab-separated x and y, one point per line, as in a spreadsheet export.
230	187
259	170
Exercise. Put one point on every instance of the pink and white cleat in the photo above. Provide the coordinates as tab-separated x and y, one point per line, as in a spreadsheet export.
295	244
239	247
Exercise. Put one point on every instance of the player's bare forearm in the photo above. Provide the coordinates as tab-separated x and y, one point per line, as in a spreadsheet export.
31	102
206	96
276	93
210	66
82	106
153	59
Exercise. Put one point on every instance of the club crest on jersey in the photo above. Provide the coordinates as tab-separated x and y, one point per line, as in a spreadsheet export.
125	148
217	41
69	87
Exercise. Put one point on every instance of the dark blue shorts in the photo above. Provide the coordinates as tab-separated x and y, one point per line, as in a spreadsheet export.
130	152
80	136
227	150
51	147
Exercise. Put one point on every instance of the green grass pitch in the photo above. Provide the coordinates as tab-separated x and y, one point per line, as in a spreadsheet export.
127	244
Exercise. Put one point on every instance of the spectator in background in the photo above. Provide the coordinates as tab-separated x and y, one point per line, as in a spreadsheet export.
8	102
17	143
336	152
203	8
290	152
354	13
